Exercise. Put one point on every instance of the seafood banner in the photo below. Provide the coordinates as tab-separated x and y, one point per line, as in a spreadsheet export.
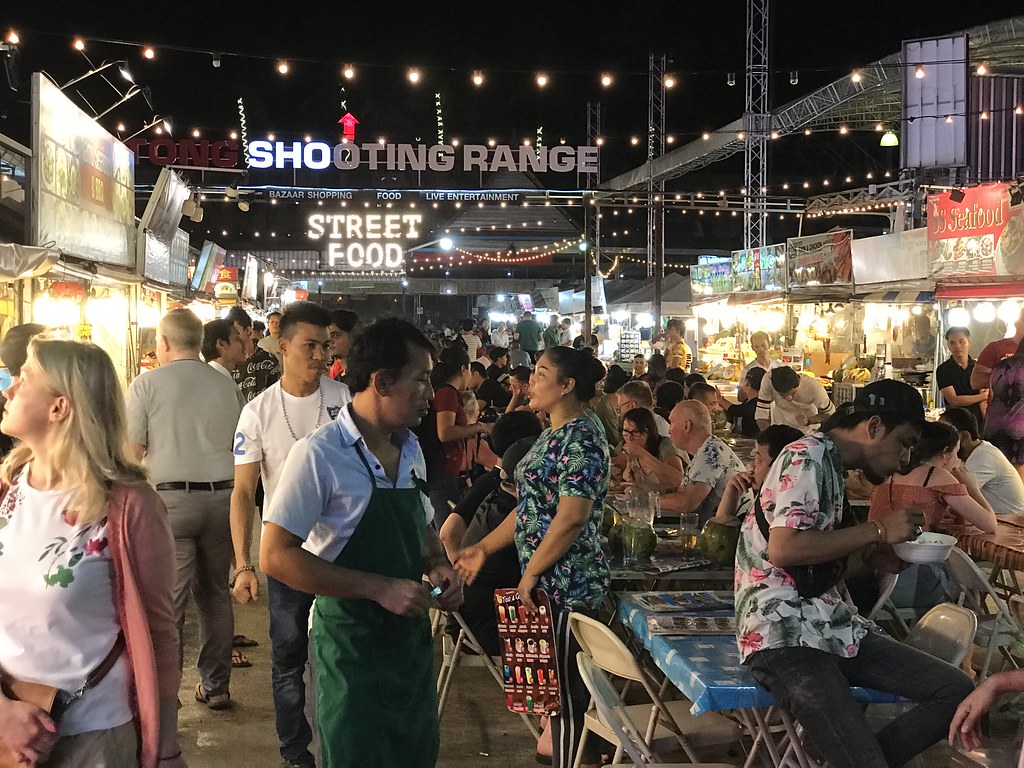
979	236
83	181
820	260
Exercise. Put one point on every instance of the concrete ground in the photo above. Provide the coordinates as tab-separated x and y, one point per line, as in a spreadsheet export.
476	729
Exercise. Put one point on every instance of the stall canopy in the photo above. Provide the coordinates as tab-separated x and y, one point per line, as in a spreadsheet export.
676	296
20	261
896	297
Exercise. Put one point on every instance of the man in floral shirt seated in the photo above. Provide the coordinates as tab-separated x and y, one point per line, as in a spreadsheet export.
806	646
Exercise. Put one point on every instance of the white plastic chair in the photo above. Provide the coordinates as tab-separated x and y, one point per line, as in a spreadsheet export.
670	725
452	657
613	711
996	628
945	632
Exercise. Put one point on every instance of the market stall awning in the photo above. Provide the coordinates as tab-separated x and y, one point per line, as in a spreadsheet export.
896	297
21	261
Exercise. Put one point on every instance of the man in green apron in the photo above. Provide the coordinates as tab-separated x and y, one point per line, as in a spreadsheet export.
349	522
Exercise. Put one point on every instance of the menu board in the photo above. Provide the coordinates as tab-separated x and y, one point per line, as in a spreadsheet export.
711	275
758	269
528	653
820	260
979	236
83	181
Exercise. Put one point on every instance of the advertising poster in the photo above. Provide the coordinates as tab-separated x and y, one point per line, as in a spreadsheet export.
758	269
979	236
820	260
711	275
528	653
84	182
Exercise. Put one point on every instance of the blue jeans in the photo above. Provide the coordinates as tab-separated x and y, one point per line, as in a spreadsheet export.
443	488
814	686
289	642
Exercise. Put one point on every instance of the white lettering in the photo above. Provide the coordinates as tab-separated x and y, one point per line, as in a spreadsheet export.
412	219
261	154
316	155
503	160
373	226
586	159
392	226
474	156
415	157
316	226
286	154
560	159
533	161
441	157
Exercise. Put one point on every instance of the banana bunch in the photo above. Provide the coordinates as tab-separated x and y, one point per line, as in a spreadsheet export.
862	375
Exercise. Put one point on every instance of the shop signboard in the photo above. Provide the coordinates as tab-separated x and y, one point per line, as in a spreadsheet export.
711	275
158	228
364	242
758	269
820	260
83	182
211	258
979	236
896	257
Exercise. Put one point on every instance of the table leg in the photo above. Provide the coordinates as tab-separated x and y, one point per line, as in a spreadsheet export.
796	746
762	734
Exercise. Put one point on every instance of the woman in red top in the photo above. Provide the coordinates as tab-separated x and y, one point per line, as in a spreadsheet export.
938	483
449	377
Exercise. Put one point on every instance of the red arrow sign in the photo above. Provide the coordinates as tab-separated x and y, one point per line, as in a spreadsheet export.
348	124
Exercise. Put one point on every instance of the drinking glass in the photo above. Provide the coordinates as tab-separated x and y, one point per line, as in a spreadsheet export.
631	527
689	531
654	505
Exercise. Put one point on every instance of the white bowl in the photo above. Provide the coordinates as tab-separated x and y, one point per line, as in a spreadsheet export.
926	548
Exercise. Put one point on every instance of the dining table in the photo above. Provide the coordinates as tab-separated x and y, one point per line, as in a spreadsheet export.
1004	549
708	671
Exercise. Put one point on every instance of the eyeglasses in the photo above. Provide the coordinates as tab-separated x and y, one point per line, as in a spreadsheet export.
633	432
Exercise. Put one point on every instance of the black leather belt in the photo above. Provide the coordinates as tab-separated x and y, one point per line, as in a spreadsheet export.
186	485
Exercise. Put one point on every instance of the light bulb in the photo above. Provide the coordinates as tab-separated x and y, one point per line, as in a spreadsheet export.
705	136
148	52
478	78
195	133
606	80
856	77
542	79
79	44
282	67
919	72
982	69
413	75
348	72
670	81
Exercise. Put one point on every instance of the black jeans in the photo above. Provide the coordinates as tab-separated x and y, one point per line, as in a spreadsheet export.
814	687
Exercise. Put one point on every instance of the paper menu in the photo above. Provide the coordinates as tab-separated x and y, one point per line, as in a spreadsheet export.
528	653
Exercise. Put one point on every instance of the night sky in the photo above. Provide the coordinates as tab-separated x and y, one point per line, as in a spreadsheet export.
574	43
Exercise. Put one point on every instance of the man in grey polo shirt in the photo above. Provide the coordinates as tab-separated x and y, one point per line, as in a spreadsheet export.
181	420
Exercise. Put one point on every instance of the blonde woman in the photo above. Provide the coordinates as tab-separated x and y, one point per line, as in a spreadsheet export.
86	573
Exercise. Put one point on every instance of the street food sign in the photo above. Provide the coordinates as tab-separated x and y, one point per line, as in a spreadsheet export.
348	156
364	242
980	235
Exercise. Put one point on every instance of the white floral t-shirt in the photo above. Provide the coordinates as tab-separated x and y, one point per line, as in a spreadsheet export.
804	490
715	464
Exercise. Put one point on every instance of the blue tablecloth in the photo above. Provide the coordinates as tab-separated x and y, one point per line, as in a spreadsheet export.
707	669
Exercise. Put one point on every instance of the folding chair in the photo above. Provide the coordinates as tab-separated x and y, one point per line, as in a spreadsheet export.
623	729
886	585
452	657
670	725
945	632
996	628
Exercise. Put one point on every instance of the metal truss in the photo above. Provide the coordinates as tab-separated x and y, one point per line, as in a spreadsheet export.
655	149
875	198
757	119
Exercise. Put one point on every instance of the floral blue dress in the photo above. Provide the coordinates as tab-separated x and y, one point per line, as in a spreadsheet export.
569	461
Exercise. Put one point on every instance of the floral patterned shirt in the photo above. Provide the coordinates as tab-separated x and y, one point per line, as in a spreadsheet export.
569	461
714	464
804	490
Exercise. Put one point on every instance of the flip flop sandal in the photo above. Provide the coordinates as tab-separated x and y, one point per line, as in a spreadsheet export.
215	701
241	641
239	660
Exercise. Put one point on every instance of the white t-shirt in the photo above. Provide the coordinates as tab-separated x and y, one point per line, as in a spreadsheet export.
1000	484
262	434
662	425
59	620
324	489
499	339
810	398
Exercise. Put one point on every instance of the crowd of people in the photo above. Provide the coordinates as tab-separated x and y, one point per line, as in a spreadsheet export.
395	471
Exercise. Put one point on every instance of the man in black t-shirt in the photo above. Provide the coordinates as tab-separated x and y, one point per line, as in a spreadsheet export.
953	377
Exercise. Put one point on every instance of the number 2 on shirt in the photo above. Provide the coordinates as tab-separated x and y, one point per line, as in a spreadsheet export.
239	449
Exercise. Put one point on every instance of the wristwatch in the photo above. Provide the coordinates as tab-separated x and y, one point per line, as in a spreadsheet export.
234	574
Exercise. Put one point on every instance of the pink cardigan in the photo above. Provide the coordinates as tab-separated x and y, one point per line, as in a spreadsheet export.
143	554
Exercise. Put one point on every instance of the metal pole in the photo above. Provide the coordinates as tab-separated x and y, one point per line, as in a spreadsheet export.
588	297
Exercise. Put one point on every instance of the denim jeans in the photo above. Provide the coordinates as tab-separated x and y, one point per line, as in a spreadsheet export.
814	687
443	488
289	643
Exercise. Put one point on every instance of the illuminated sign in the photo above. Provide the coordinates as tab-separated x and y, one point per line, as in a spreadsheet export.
318	155
203	154
364	242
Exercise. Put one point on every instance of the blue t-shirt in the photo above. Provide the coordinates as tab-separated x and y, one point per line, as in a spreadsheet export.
569	461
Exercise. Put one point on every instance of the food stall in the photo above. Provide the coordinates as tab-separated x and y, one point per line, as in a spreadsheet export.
976	257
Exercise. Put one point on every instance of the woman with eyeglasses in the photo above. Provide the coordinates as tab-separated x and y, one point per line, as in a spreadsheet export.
651	460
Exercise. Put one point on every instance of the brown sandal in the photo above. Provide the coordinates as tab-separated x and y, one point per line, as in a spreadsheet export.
239	660
214	701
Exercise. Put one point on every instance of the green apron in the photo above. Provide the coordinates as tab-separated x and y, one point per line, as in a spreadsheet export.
376	699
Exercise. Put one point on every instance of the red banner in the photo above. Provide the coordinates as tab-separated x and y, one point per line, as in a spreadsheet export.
979	236
227	275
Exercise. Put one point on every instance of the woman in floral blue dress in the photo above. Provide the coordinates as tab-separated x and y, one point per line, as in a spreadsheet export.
561	484
1004	421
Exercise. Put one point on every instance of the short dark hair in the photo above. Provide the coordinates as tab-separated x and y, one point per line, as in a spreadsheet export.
755	376
214	331
521	373
958	329
478	367
14	347
692	379
496	353
275	313
615	379
677	375
675	324
777	436
962	420
511	428
346	320
656	365
467	325
238	315
784	379
700	390
386	346
667	395
640	356
259	325
584	370
302	312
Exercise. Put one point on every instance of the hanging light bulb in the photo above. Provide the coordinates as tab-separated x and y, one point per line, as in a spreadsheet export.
148	52
348	72
413	75
919	72
282	67
856	76
794	77
79	44
670	81
606	80
542	79
730	79
478	78
982	69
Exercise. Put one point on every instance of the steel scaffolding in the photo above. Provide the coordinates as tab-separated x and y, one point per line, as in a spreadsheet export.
757	123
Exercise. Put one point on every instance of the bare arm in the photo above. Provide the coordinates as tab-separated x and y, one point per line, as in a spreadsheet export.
686	499
451	534
448	431
962	401
243	510
282	556
981	376
669	472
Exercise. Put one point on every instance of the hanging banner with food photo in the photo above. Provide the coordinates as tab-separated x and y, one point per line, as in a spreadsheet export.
820	260
975	232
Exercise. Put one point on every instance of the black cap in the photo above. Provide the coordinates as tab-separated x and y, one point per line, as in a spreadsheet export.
889	396
513	455
14	348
